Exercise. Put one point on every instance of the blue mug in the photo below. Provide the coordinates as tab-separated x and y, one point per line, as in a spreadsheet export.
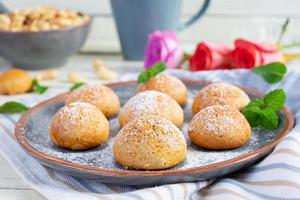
136	19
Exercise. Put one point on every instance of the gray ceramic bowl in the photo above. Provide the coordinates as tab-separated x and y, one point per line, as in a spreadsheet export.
43	49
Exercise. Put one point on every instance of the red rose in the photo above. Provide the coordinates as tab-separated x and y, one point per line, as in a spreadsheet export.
209	56
248	54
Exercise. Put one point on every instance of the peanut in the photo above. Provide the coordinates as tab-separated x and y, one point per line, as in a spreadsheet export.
102	71
50	74
75	77
41	19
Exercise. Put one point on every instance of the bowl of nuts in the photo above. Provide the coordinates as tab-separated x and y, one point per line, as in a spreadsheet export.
42	37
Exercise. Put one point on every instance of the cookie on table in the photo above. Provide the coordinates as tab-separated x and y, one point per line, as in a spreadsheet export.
79	126
169	85
104	98
150	143
151	102
219	127
220	94
15	81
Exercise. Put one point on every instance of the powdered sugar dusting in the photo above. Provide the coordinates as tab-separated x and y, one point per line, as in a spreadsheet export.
153	127
222	94
148	102
216	119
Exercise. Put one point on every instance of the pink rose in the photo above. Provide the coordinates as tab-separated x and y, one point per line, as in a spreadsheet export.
210	56
163	46
248	54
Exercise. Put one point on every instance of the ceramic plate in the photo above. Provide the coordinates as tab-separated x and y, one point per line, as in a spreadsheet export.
98	163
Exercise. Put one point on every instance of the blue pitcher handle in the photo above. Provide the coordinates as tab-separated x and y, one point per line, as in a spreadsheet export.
195	17
3	8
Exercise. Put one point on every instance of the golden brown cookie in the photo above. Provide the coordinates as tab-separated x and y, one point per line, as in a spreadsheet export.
150	143
151	103
99	95
220	94
169	85
79	126
15	81
219	127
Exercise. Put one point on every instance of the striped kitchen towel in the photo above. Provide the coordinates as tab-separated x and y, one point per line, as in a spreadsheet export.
276	177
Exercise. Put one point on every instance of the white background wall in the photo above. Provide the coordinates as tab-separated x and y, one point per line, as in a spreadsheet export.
225	20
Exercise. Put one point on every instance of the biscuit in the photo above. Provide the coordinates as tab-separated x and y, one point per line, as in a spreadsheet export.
104	98
149	143
169	85
219	127
151	103
220	94
15	81
79	126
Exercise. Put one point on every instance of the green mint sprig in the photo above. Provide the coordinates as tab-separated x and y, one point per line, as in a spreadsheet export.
37	87
76	85
12	107
272	72
263	112
147	74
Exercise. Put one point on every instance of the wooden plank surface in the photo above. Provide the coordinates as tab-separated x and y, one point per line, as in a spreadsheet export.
12	187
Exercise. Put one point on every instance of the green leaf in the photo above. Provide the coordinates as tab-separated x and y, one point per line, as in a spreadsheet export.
263	112
272	72
13	107
252	115
76	85
157	68
147	74
269	119
256	102
275	99
144	76
39	88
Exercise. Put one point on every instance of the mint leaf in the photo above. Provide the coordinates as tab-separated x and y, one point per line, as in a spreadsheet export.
144	76
263	112
269	119
252	115
76	85
39	88
256	102
275	99
147	74
13	107
157	68
272	72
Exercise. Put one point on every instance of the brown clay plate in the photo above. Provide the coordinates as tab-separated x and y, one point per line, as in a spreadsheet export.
98	163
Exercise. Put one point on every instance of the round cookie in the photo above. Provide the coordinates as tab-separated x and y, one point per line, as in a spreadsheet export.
150	143
219	127
79	126
169	85
15	81
104	98
151	103
220	94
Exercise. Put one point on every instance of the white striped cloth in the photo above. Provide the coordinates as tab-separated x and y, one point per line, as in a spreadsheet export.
276	177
